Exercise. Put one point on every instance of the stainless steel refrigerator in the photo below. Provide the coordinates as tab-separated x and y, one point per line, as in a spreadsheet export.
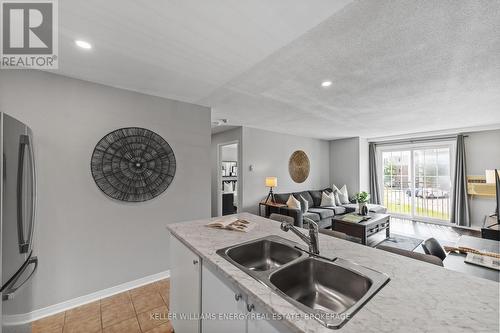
17	218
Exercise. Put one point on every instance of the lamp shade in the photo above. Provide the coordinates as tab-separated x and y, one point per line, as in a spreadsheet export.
490	176
271	181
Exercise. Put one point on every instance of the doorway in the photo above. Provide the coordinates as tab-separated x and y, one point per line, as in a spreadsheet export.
417	181
228	174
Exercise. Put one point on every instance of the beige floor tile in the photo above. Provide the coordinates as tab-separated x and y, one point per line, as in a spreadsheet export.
147	302
115	299
51	324
88	325
148	323
166	299
116	313
163	285
164	328
148	289
128	326
87	311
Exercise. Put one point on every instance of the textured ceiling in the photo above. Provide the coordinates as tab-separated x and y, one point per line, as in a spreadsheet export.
397	67
180	49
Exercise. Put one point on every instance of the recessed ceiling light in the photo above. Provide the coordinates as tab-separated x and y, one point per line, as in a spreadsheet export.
326	83
83	44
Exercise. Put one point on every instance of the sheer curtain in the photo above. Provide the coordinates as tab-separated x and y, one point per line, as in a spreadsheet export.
460	214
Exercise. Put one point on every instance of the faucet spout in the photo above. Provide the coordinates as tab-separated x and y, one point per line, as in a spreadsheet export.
312	241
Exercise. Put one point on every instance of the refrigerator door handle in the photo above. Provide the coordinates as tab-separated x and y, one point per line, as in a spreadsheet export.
20	185
25	244
9	291
31	228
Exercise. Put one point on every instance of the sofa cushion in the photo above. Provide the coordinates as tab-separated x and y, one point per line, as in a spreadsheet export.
281	197
312	216
337	210
305	195
372	208
316	196
323	213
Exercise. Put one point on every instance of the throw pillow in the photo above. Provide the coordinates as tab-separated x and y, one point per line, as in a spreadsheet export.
327	200
342	193
293	203
304	204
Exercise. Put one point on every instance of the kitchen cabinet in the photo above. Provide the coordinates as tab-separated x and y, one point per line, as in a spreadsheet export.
219	300
185	287
260	325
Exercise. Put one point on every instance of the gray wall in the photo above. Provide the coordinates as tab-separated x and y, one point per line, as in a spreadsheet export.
483	152
344	164
223	137
268	153
85	241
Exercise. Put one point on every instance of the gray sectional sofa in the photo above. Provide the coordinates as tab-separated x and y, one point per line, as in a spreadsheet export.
321	215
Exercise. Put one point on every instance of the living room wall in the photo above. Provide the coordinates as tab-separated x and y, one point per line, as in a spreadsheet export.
267	153
482	150
349	164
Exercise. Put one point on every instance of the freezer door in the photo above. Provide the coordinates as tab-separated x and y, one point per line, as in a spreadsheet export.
20	278
18	196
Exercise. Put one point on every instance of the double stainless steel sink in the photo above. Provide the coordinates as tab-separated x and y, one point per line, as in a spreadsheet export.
328	290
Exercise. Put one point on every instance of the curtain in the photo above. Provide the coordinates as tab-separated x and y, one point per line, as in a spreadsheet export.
374	188
460	214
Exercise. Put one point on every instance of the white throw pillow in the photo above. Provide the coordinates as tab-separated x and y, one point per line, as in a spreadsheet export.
342	193
304	204
292	202
327	200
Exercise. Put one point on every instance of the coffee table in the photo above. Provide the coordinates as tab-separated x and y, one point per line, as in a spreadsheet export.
363	230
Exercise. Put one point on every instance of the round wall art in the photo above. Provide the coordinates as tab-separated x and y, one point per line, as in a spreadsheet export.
133	164
299	166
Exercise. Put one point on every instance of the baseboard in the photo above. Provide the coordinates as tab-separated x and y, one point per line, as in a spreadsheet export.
20	319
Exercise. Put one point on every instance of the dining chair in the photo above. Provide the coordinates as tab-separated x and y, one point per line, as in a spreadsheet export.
431	246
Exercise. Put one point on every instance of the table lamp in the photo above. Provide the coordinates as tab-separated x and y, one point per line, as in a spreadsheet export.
271	182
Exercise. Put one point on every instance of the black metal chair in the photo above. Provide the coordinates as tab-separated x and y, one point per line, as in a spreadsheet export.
431	246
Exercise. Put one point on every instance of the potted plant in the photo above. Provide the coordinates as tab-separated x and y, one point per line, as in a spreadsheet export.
362	199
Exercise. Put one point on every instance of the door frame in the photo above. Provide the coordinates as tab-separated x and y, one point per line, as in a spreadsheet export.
451	144
219	176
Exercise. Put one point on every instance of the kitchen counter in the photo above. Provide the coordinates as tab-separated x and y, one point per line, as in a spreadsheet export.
419	298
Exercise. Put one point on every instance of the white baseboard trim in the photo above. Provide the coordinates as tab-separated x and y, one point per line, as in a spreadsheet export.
20	319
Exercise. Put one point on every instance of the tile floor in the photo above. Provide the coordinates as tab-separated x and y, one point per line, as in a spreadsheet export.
128	312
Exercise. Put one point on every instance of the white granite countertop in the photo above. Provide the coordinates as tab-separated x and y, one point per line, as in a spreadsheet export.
419	298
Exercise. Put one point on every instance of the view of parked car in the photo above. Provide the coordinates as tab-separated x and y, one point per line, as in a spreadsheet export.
430	193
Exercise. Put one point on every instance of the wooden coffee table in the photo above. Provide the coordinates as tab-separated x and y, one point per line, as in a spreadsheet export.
364	229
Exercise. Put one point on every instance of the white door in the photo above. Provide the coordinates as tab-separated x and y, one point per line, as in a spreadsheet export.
220	299
185	287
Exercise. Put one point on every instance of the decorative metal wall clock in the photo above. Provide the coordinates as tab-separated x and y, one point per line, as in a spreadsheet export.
133	164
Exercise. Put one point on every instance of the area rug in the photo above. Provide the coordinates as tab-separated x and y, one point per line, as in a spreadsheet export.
401	242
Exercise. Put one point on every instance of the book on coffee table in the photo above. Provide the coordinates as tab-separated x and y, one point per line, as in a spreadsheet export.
354	218
483	260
